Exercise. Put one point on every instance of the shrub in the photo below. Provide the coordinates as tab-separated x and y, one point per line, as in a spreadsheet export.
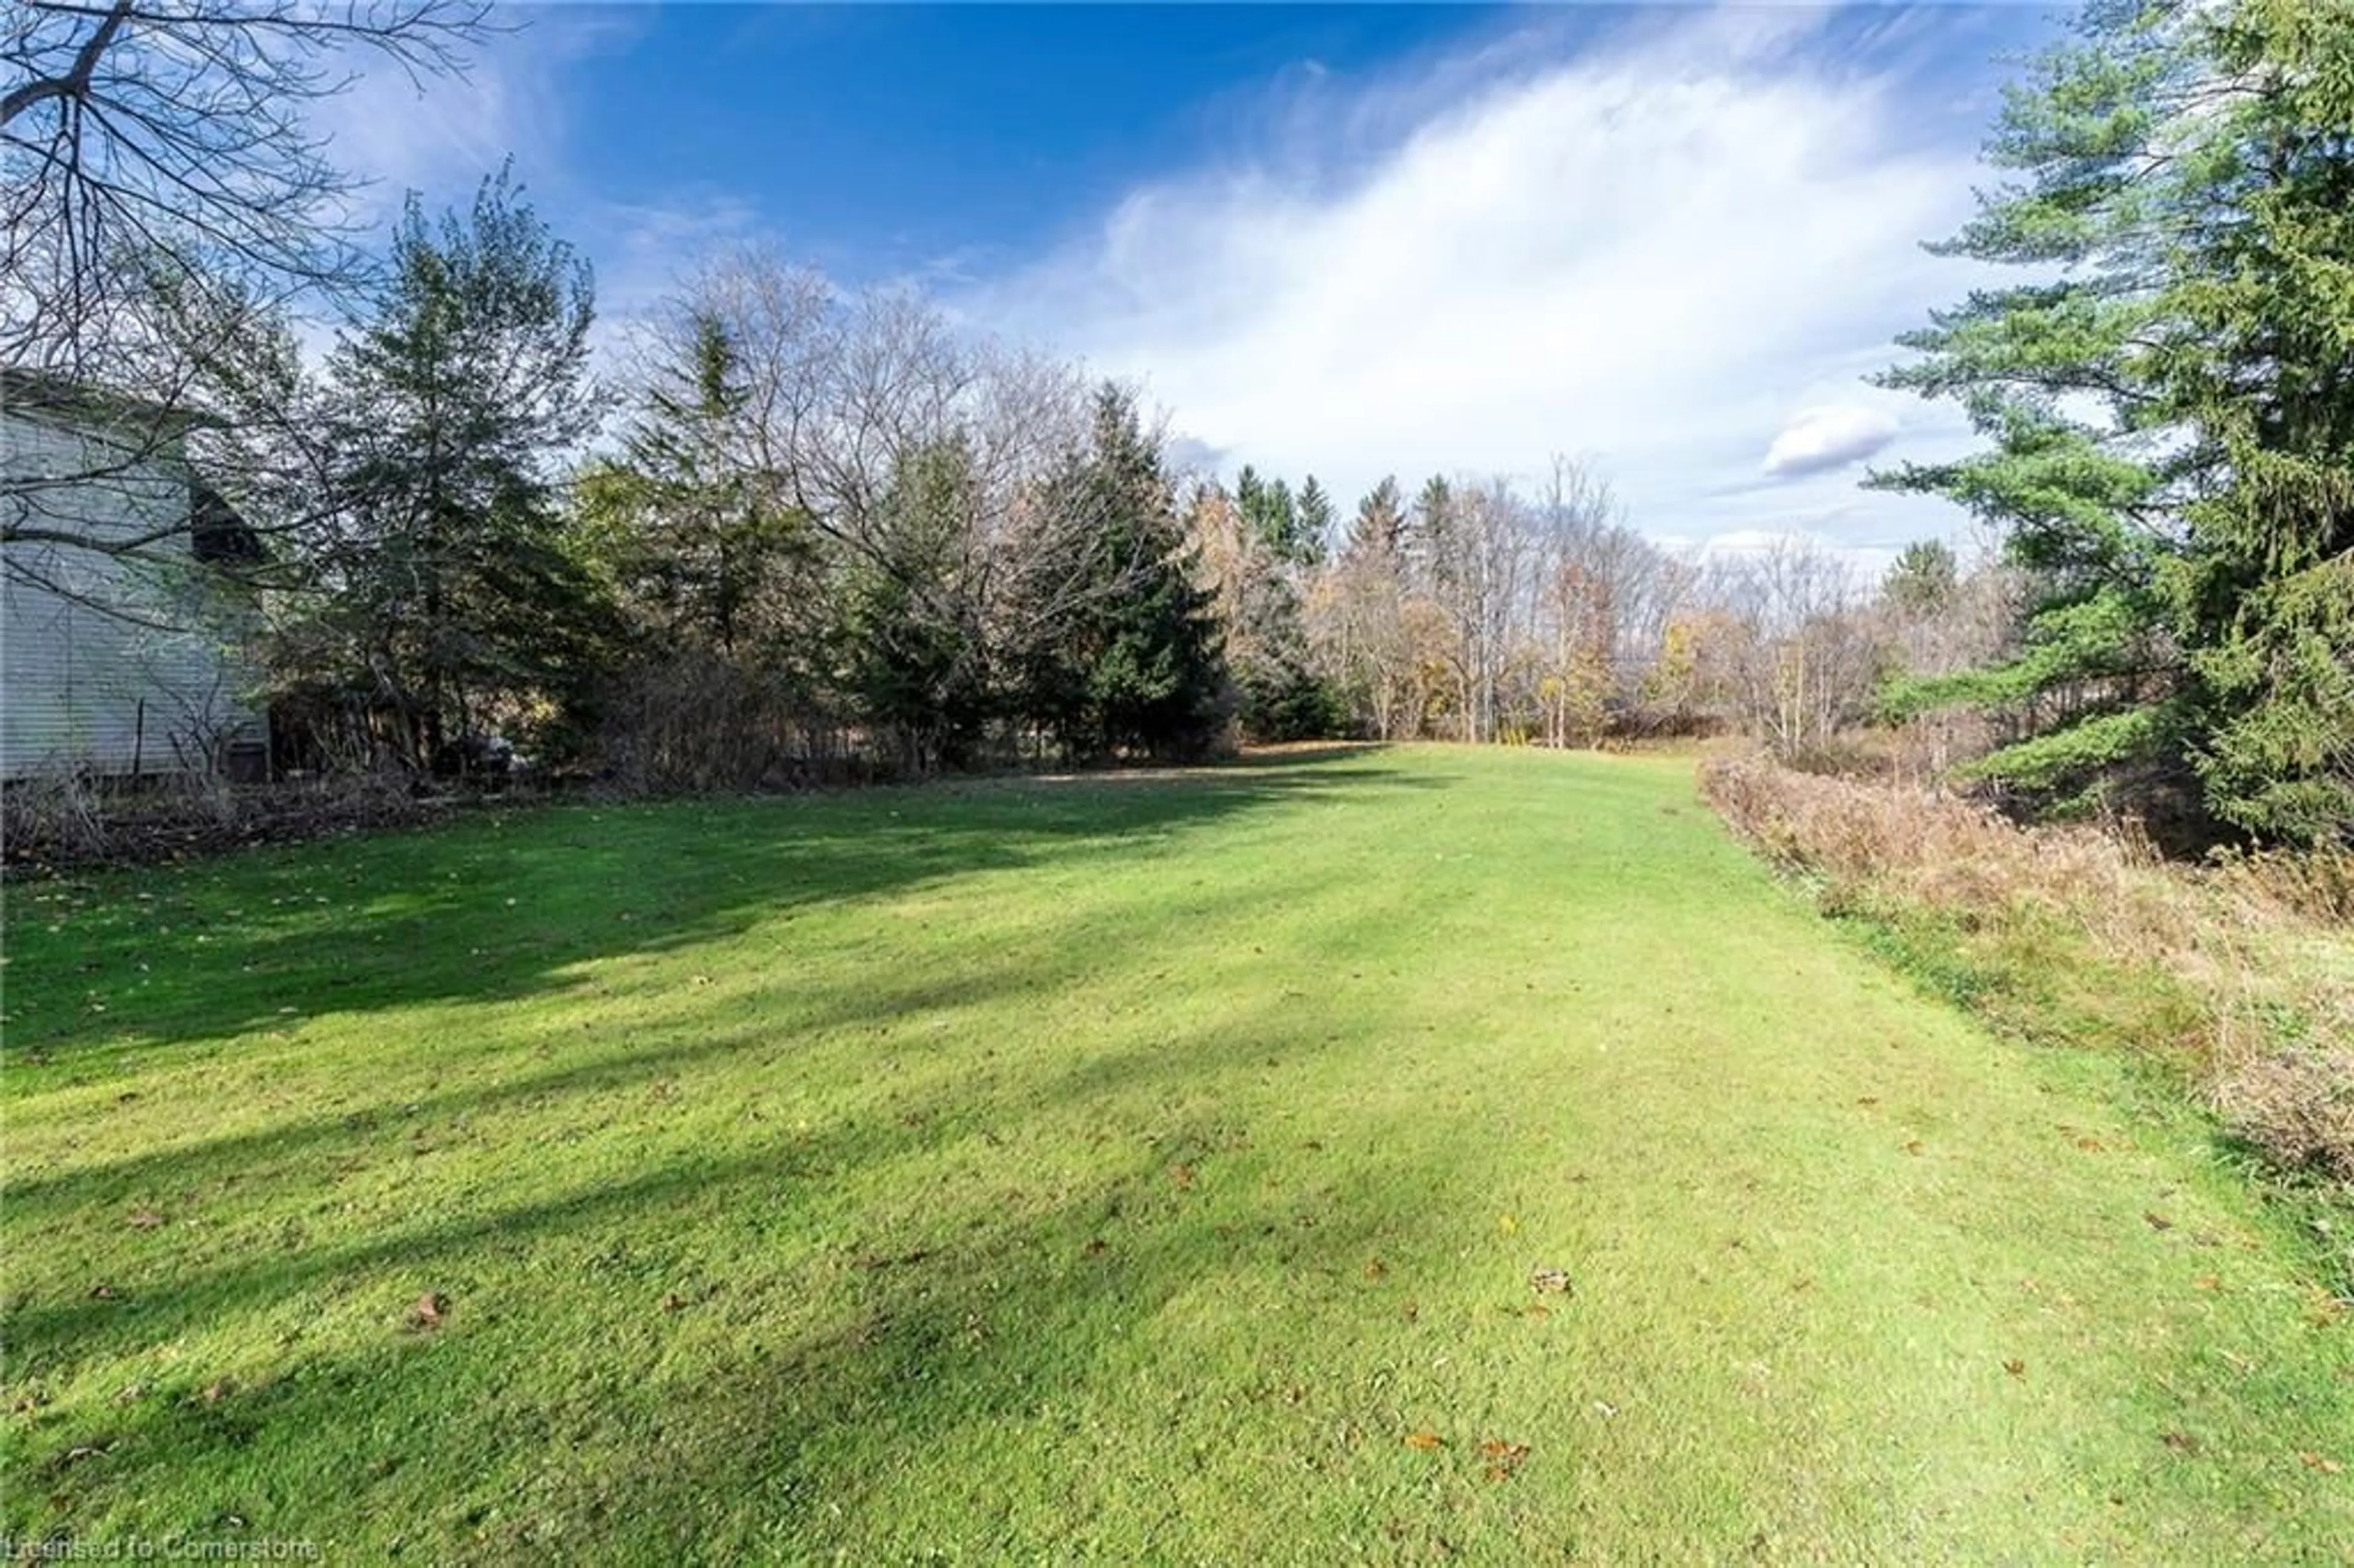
58	821
2236	971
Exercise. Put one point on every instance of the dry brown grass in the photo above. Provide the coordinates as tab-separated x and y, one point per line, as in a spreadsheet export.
2253	956
60	821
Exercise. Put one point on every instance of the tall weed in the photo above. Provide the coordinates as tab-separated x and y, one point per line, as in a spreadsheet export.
2239	971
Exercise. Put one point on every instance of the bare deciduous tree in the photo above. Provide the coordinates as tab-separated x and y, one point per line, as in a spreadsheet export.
168	202
1796	650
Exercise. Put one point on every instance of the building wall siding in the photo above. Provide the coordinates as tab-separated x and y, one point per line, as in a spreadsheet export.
80	687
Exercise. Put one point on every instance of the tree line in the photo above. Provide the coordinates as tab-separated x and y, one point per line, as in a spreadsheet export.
794	530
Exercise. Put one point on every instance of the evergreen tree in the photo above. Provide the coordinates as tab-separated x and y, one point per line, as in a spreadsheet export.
1431	532
1284	536
1282	696
1280	522
2258	358
1924	578
1274	518
918	656
1312	532
456	604
1251	498
2169	416
1138	666
683	524
1381	522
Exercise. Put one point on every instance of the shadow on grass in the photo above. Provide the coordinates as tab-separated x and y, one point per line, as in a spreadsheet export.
980	1306
497	907
769	1033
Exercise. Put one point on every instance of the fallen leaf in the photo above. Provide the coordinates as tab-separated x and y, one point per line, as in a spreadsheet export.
217	1391
427	1312
1375	1269
2208	1282
673	1302
145	1220
2015	1368
1508	1223
1868	1099
2182	1441
1549	1281
2322	1462
1183	1176
103	1292
2158	1222
1913	1147
1425	1441
1502	1458
2089	1144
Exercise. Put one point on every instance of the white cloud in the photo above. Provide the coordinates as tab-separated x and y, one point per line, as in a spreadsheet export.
1646	253
1818	440
442	134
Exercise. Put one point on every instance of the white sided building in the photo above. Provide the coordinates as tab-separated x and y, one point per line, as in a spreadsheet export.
109	665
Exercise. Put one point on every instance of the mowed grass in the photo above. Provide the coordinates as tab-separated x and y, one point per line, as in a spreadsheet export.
1120	1170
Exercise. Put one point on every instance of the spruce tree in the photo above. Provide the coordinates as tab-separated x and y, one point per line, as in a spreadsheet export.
2258	359
1380	524
1312	524
917	657
680	521
1138	667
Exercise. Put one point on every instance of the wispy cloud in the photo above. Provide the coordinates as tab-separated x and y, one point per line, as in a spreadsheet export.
1648	252
439	136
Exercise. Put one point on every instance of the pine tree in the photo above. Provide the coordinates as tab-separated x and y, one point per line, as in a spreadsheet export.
456	603
2169	414
1924	578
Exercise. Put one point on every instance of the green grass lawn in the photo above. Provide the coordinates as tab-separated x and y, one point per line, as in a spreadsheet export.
1123	1169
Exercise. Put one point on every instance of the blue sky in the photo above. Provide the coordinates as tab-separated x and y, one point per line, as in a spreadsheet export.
1667	240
